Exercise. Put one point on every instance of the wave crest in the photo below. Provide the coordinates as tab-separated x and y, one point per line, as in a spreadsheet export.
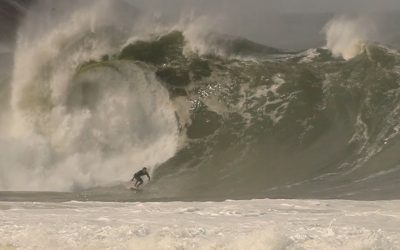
346	37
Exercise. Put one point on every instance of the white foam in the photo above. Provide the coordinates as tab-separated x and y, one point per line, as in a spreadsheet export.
249	224
273	104
77	130
309	55
346	36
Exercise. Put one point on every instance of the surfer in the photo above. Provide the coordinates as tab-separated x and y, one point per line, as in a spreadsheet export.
138	177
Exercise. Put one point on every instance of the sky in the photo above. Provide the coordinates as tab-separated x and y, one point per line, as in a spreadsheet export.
276	6
286	24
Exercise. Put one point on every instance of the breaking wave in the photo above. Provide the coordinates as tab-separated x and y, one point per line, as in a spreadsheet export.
94	98
76	126
346	36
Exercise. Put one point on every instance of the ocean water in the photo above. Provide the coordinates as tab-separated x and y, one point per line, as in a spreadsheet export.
250	224
249	146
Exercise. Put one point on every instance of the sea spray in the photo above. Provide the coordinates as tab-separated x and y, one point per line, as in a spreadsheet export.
75	127
346	36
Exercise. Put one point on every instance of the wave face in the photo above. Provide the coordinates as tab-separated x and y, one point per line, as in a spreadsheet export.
302	125
214	117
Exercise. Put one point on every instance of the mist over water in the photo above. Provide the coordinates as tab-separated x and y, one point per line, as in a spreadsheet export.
99	89
71	128
345	36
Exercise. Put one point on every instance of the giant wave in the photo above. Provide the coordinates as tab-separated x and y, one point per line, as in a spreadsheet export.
92	99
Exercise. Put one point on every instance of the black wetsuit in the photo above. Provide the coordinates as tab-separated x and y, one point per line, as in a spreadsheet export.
138	177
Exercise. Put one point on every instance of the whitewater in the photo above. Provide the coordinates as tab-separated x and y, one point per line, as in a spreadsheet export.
248	146
252	224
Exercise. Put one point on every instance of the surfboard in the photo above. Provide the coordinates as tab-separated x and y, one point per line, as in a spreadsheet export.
135	189
130	186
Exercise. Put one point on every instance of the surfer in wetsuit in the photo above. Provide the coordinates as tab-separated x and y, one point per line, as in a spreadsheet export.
138	177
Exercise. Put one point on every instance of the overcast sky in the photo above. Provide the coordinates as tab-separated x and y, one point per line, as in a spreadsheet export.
275	5
289	24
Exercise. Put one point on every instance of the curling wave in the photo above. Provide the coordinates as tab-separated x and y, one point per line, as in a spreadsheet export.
90	103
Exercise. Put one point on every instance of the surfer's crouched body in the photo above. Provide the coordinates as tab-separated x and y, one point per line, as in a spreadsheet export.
138	177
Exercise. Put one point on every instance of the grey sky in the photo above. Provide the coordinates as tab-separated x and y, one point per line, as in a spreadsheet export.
274	5
290	24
